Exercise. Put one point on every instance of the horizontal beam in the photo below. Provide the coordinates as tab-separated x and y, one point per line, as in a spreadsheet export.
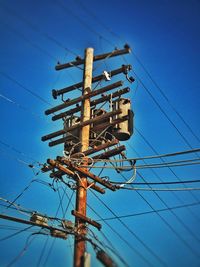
58	141
110	153
86	173
116	52
99	127
71	173
123	69
97	148
19	220
103	126
59	174
84	97
81	124
92	103
86	219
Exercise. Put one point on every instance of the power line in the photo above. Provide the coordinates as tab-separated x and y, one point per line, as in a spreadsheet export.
147	157
166	98
174	214
16	150
27	244
132	233
156	193
164	220
143	67
148	166
82	22
104	246
12	235
43	251
161	189
53	242
159	183
122	238
37	29
25	189
150	212
162	110
155	151
24	87
15	31
18	105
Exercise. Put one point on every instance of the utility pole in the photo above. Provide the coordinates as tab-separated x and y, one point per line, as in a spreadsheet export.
88	133
88	136
81	194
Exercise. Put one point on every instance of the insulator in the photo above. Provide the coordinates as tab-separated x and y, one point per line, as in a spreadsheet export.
68	224
58	234
39	219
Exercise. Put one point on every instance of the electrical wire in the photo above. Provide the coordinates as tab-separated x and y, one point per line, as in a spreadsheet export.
143	67
172	171
132	233
166	98
104	246
37	29
114	249
17	233
82	22
61	200
4	74
11	101
43	251
162	110
148	166
19	34
17	207
54	240
18	105
165	221
134	249
178	153
158	183
11	228
149	212
97	33
153	98
27	245
25	189
165	203
160	189
16	150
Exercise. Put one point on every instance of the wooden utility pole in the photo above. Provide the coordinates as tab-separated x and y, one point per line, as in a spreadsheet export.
103	125
81	193
107	127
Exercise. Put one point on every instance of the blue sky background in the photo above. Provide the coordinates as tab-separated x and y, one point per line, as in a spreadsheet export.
165	36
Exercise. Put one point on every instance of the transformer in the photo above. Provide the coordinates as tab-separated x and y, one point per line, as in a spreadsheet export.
72	137
123	130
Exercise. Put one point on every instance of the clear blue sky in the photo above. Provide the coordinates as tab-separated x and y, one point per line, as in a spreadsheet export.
165	36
